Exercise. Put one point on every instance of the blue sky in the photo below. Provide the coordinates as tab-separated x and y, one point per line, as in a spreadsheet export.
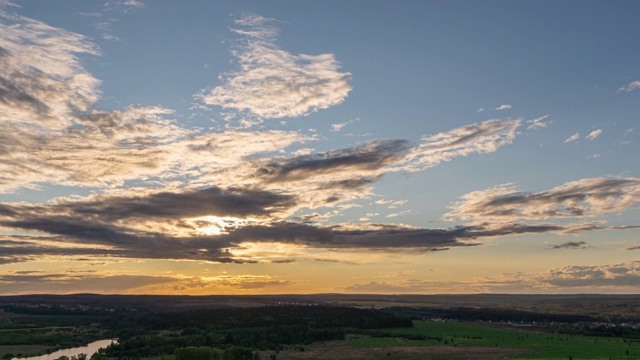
255	147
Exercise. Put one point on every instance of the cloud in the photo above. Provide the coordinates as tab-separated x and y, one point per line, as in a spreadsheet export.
110	7
97	149
151	219
181	223
138	228
32	248
594	134
144	229
167	204
583	198
124	5
338	176
368	159
480	110
620	278
623	274
42	82
4	3
81	283
106	31
200	195
538	123
52	133
339	126
631	87
503	107
399	214
571	245
352	236
17	282
572	138
485	137
273	83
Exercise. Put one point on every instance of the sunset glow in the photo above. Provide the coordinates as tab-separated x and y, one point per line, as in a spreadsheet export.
254	147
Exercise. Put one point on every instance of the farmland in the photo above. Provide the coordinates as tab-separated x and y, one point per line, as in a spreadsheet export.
467	340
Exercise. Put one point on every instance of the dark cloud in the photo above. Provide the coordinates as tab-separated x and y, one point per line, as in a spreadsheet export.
92	223
571	245
63	217
189	203
32	250
74	228
384	237
632	248
283	261
582	198
372	156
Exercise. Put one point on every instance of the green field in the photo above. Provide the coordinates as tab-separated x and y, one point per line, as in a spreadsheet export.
546	345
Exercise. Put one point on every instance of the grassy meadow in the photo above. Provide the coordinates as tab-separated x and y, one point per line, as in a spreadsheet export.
460	340
545	345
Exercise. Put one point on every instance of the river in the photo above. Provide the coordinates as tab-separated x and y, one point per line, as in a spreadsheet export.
89	350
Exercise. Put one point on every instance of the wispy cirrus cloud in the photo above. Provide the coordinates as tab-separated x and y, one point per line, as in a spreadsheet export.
337	127
485	137
42	82
634	85
126	4
538	123
105	26
272	83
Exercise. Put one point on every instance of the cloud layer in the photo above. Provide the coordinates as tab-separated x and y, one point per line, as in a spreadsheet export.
56	136
621	277
159	189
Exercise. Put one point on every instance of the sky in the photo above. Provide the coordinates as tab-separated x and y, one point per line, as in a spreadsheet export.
281	147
